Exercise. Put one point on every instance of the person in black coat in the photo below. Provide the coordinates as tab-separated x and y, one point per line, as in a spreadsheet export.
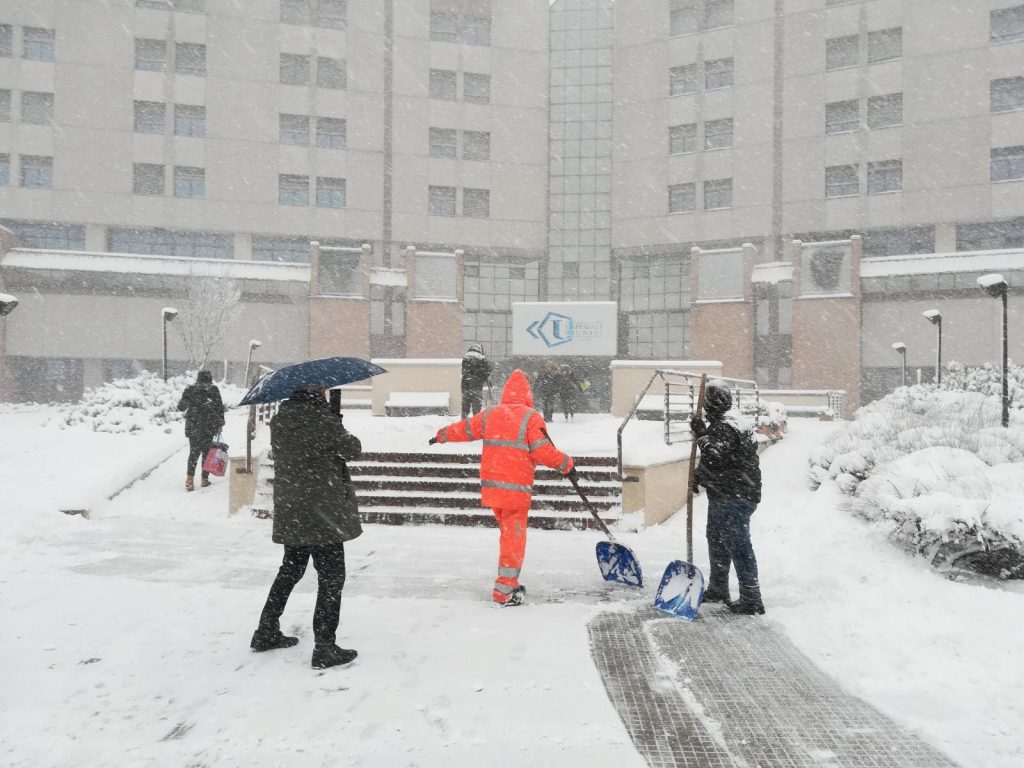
546	388
204	418
568	389
476	371
315	513
730	472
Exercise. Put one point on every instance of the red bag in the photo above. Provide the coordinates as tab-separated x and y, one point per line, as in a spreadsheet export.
216	462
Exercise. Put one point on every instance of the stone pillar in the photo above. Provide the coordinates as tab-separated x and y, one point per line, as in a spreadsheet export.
722	327
433	327
339	325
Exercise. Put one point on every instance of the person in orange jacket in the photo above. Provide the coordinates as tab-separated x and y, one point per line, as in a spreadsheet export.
515	442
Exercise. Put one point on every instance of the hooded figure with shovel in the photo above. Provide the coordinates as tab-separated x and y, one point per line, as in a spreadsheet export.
515	442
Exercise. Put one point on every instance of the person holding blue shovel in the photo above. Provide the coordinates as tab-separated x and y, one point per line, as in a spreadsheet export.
730	472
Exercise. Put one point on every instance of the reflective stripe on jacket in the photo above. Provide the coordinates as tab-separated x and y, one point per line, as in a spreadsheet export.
515	442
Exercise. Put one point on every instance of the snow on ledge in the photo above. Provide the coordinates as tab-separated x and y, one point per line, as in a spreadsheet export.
418	400
673	364
772	272
399	362
932	263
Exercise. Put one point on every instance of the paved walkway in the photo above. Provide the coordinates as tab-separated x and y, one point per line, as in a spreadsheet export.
729	691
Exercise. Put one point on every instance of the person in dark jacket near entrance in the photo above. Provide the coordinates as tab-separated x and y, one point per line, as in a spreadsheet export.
204	418
546	387
315	513
476	371
730	472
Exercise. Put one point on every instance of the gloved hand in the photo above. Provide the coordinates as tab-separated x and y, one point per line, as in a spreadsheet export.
697	426
696	486
573	475
433	440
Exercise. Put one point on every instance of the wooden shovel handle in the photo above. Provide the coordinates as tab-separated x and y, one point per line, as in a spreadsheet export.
693	463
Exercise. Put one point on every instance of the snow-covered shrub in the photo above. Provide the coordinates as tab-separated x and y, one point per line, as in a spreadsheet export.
986	379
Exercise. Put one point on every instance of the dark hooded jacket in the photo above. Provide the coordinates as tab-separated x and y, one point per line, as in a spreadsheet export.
314	502
729	465
476	368
203	407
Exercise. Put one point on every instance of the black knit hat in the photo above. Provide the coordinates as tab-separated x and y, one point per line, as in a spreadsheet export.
717	399
204	377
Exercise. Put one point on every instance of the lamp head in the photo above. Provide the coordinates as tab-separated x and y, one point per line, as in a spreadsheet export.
7	304
933	316
900	347
254	343
994	285
170	313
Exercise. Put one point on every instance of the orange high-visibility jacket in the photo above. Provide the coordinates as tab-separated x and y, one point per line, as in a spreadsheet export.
515	442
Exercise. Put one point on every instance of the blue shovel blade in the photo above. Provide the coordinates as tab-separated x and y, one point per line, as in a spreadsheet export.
619	564
681	591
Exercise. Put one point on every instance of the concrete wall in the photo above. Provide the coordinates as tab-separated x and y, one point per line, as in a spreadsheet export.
629	377
660	491
409	375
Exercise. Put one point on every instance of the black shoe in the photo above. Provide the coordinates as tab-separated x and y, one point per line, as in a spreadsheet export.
746	608
517	597
717	596
330	655
263	640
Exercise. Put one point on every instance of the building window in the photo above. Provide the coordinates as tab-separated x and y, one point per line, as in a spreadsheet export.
190	59
682	198
717	194
165	242
441	201
283	249
469	24
718	13
193	6
330	133
6	41
5	170
476	88
36	171
37	108
341	273
476	145
150	55
292	190
444	26
297	12
330	193
47	234
1007	94
1007	163
444	85
149	117
331	14
571	270
476	203
327	14
885	44
37	43
189	182
294	129
5	106
718	134
147	179
682	18
885	176
830	3
842	52
294	69
682	79
841	181
442	142
1007	24
330	73
189	120
842	116
717	74
682	139
886	111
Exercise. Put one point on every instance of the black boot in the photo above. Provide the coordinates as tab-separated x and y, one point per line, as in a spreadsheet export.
327	655
518	597
269	640
714	595
746	607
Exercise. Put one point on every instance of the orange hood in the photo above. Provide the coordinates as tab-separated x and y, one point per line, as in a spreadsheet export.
517	390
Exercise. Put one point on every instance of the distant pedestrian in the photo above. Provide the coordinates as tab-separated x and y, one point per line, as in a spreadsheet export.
730	472
315	513
515	442
547	387
476	372
204	418
568	389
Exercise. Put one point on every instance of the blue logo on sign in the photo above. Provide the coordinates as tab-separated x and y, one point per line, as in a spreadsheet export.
554	330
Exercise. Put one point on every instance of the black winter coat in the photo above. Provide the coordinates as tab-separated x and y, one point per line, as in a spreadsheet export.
204	410
314	502
476	370
729	465
547	385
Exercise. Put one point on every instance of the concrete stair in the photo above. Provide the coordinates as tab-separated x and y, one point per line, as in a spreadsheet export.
444	488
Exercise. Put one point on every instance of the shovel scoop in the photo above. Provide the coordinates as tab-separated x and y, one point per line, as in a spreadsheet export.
681	591
616	561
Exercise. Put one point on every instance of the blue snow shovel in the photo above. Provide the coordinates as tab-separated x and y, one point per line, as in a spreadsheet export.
616	561
682	586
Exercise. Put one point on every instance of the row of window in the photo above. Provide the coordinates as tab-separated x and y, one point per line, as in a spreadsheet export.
689	16
882	112
466	23
294	190
686	77
295	130
149	179
682	198
476	145
882	45
36	171
443	201
36	107
297	69
151	117
37	43
326	14
444	85
682	139
190	6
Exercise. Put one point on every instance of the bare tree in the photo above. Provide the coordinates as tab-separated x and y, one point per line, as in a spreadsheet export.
208	312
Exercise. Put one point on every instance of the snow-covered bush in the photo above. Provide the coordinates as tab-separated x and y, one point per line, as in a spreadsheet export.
986	379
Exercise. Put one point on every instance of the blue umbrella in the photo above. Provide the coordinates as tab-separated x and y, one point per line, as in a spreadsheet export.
327	372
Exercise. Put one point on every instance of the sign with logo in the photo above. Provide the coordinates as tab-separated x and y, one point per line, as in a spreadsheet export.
558	329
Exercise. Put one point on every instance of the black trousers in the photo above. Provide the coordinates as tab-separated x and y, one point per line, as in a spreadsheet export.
728	533
472	401
198	447
329	562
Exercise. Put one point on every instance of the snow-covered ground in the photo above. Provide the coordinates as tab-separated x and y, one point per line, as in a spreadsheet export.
125	637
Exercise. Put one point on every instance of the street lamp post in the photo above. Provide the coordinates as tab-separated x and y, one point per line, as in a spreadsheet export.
934	317
7	304
900	347
996	287
253	344
169	313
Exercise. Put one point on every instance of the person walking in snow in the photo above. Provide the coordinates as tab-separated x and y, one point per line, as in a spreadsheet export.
476	371
515	441
548	383
568	388
730	472
315	513
204	418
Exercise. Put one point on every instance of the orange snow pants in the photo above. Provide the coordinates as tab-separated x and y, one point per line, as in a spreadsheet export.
512	523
